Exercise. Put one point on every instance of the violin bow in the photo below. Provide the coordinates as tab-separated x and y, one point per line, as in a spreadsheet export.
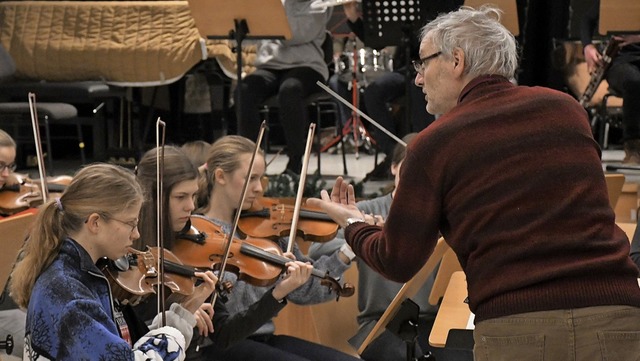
236	217
303	179
160	140
36	135
352	107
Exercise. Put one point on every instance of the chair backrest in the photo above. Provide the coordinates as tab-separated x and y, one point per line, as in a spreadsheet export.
615	181
448	266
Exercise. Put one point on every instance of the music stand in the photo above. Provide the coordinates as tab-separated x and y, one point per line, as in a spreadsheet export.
405	325
231	20
619	16
390	23
408	290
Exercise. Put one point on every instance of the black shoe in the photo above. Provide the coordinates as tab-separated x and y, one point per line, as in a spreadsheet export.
381	172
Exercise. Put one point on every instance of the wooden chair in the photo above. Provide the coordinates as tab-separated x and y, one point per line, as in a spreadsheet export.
448	266
615	181
408	290
14	231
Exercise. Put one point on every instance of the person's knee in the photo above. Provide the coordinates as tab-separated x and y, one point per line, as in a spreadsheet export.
291	88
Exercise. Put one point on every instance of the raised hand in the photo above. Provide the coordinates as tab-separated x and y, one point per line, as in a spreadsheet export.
340	205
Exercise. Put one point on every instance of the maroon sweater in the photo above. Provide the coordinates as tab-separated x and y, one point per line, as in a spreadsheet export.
512	178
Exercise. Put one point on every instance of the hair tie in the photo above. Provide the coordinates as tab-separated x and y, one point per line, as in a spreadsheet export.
59	204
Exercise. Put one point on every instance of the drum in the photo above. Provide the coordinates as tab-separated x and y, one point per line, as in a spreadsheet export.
370	65
376	63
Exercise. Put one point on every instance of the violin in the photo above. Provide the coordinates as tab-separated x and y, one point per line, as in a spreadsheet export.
206	249
22	193
341	291
271	218
134	276
248	258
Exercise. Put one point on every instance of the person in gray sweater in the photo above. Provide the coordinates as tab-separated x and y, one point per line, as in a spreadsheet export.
219	194
375	292
289	69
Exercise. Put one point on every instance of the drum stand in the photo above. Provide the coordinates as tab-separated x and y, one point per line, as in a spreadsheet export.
354	124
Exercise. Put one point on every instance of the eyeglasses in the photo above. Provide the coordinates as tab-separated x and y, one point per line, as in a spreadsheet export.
418	65
133	224
12	167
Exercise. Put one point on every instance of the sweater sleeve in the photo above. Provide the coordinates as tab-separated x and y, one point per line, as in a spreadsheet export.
179	318
88	333
230	329
313	291
589	22
402	246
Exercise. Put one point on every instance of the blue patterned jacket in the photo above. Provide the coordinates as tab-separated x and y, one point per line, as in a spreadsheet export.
70	317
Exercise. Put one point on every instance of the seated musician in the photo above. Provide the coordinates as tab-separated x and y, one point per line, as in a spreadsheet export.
180	184
12	319
376	292
7	157
69	303
219	195
290	69
623	76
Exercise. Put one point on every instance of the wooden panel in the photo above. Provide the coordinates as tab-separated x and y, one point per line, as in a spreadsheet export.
615	181
509	17
619	16
330	324
13	230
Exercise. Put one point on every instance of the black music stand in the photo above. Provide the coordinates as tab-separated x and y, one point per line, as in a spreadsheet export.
405	325
388	24
398	23
231	20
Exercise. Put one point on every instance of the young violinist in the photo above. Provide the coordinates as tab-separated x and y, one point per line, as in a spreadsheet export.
179	186
12	318
12	202
219	195
180	177
7	157
70	314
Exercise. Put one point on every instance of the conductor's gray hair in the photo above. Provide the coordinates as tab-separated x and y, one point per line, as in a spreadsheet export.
489	48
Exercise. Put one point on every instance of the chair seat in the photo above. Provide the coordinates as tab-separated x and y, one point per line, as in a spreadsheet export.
55	111
80	92
272	101
17	115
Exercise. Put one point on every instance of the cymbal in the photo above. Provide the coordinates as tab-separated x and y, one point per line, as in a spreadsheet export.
320	4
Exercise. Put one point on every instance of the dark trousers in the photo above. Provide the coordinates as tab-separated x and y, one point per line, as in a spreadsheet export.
291	86
383	90
624	78
277	348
